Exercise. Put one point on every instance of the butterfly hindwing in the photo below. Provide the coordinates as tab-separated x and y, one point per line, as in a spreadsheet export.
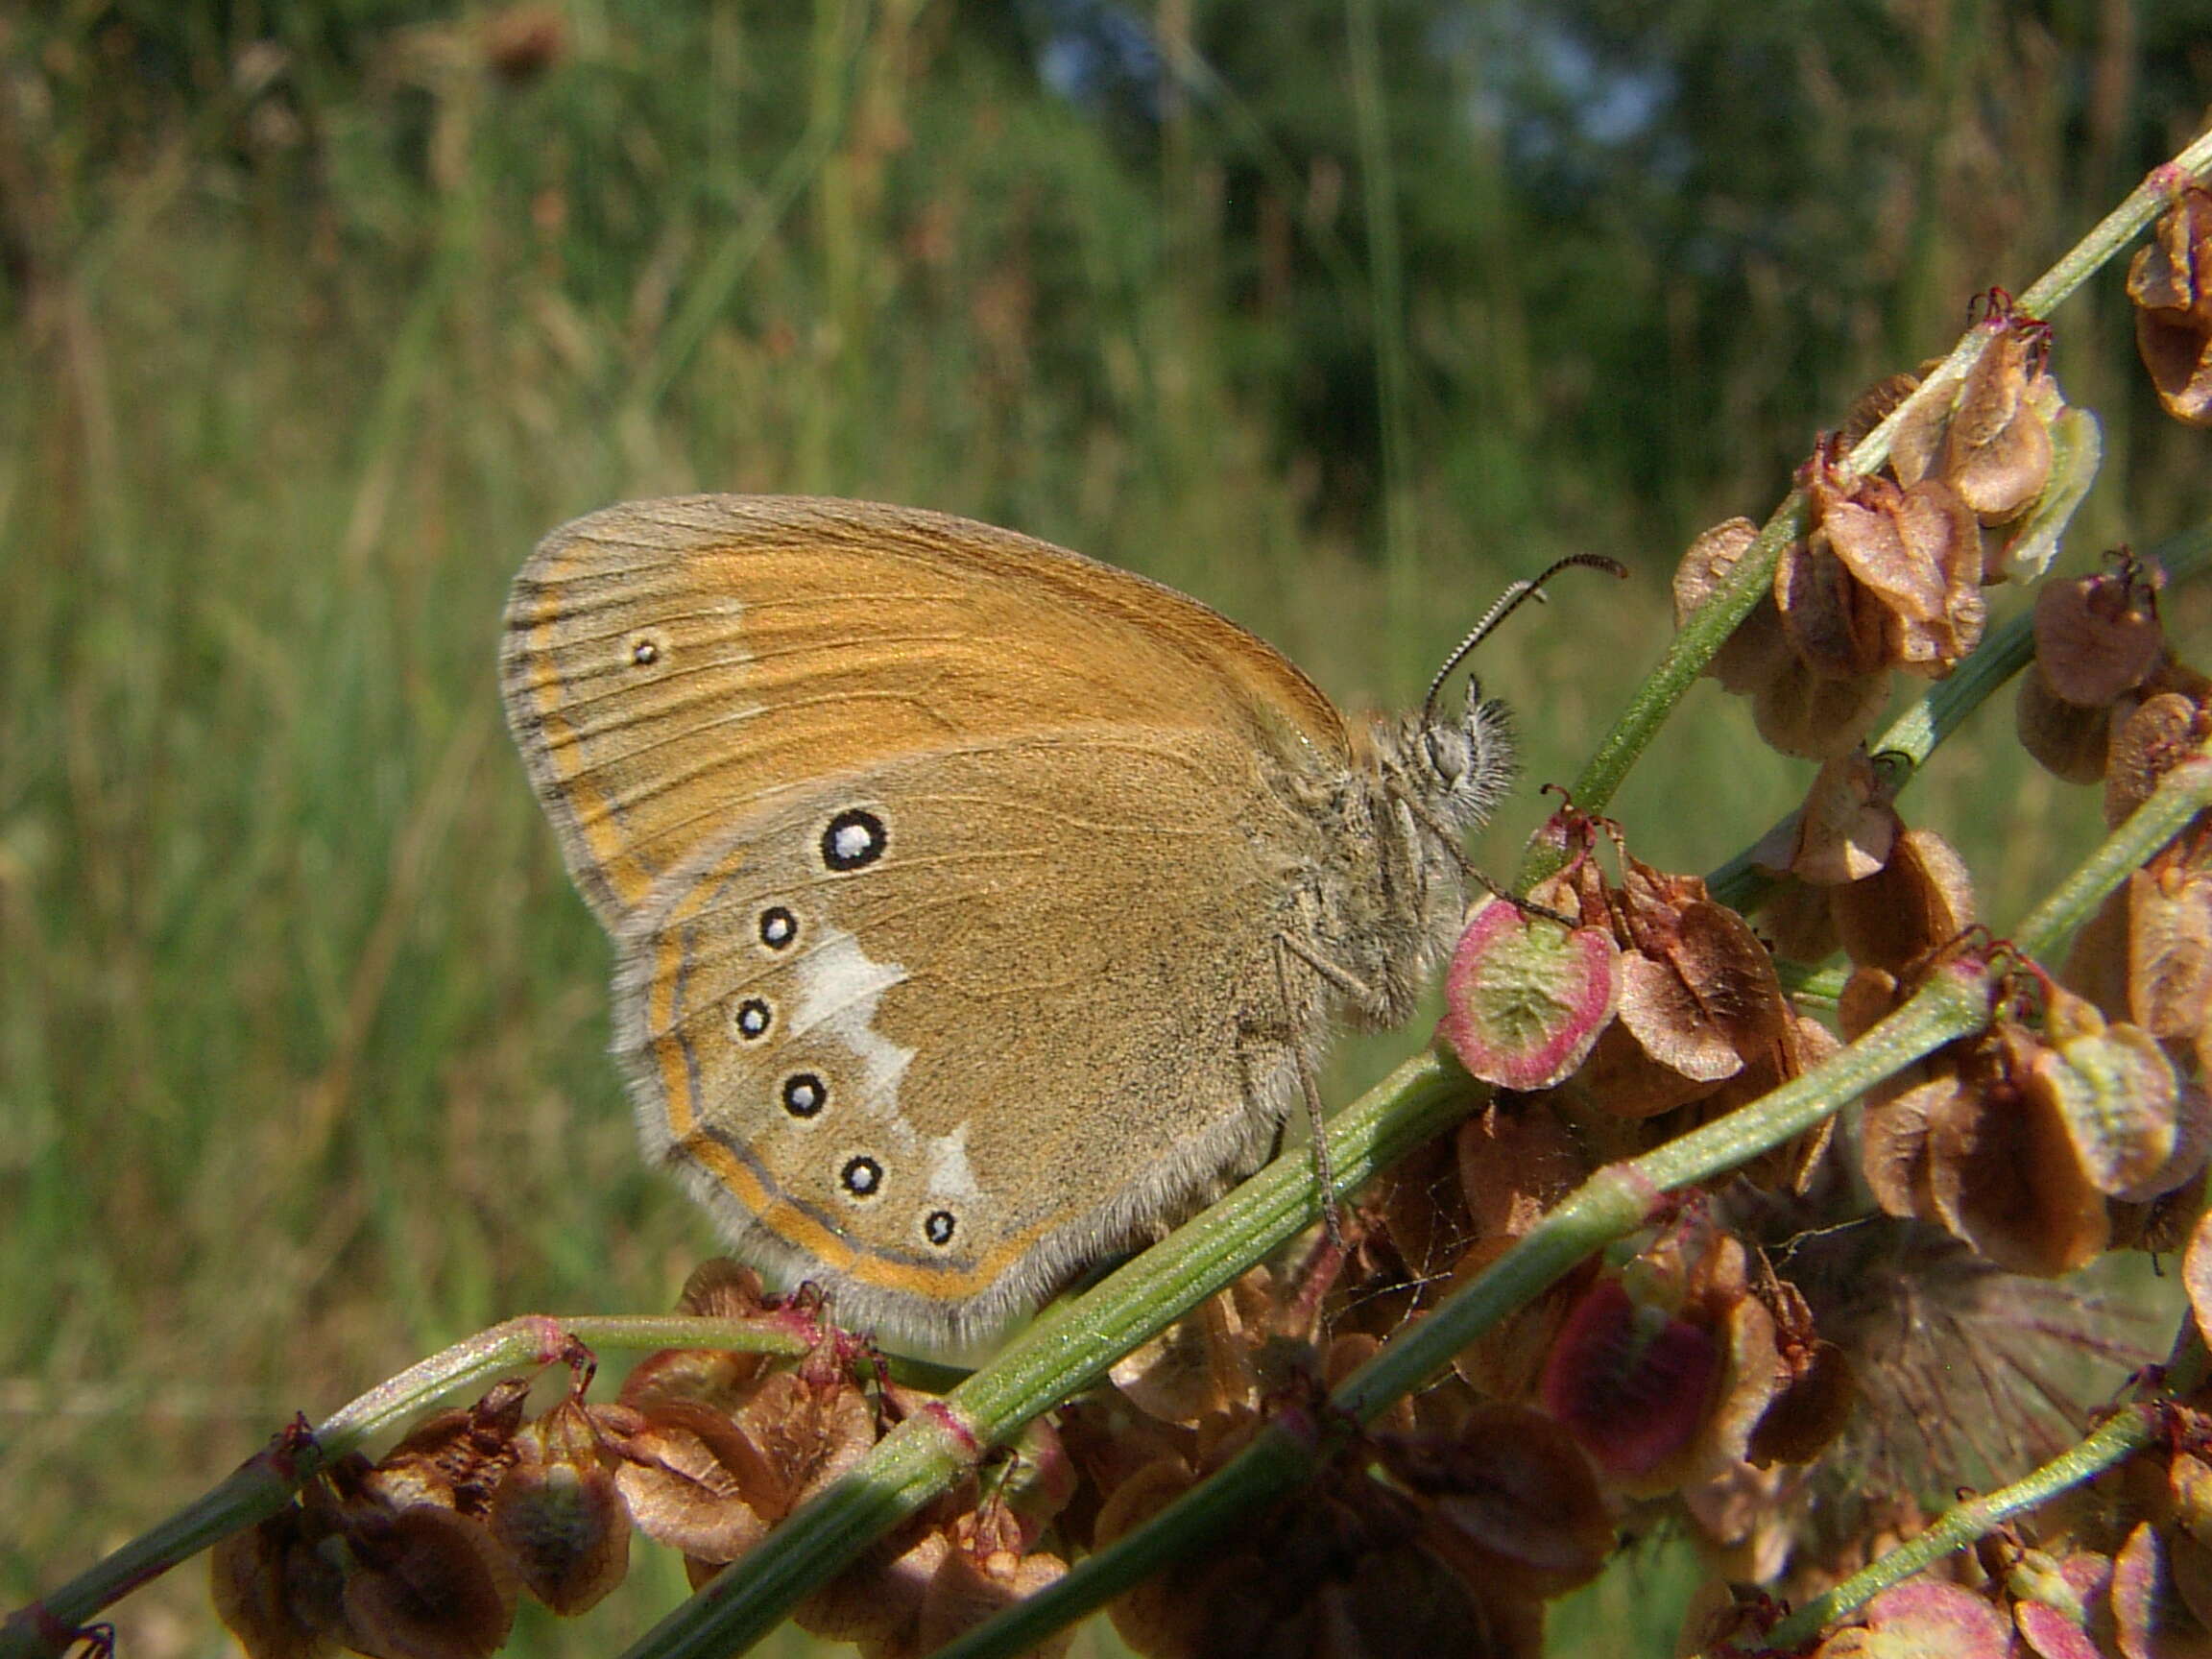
932	1032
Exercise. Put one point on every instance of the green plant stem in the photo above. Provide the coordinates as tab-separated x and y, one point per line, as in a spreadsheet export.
266	1482
2127	1431
1066	1351
1694	643
1610	1205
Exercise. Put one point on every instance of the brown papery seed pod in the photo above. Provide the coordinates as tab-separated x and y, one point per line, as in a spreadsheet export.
454	1458
1515	1162
425	1583
2170	945
1816	1394
1893	1144
2150	743
1873	406
1869	997
1507	1363
256	1592
1847	826
2123	1108
2003	1168
2171	283
1836	627
1924	1616
981	1575
2098	636
683	1474
559	1515
1922	898
1756	653
1917	554
1509	1499
1997	451
2162	1593
2067	740
1803	714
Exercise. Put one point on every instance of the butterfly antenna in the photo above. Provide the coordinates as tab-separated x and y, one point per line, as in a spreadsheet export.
1516	594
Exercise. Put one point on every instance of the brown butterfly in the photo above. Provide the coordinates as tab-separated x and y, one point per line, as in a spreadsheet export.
978	907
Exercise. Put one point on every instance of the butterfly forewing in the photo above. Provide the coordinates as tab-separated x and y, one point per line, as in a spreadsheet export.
675	668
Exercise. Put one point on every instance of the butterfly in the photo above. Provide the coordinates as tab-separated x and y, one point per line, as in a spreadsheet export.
980	909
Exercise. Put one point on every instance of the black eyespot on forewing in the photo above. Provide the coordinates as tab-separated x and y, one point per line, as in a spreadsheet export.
853	840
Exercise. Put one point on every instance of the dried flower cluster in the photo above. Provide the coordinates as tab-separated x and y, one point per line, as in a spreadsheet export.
1737	1370
2120	1567
425	1553
1889	570
2171	283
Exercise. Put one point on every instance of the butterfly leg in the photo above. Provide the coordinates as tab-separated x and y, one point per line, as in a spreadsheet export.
1324	1177
1448	838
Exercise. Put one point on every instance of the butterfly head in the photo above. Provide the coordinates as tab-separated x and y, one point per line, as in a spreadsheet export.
1460	768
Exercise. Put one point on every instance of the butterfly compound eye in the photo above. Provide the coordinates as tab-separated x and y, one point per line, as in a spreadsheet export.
1447	748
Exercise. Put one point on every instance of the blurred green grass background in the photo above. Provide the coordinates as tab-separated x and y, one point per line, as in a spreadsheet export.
1337	313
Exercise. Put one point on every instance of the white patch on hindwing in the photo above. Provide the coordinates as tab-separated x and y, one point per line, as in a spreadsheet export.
839	990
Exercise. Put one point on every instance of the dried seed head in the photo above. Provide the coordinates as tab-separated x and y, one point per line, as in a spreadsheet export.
2170	943
257	1590
1836	627
1813	1401
1924	1616
454	1458
1873	406
1632	1383
980	1574
1801	713
1525	999
1507	1361
1997	450
1515	1162
1794	916
1756	653
2004	1172
2022	550
2162	1593
1508	1497
1847	825
1353	1565
425	1583
2153	739
808	1429
2171	283
2066	739
1663	1375
2136	1132
2098	636
684	1472
1920	900
1208	1364
559	1514
1915	557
